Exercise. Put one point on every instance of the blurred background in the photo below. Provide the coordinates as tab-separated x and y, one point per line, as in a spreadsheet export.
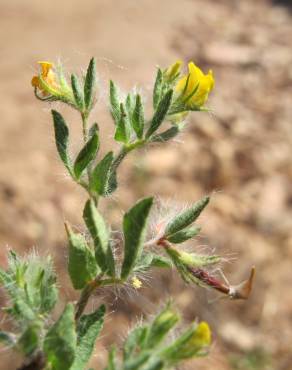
241	153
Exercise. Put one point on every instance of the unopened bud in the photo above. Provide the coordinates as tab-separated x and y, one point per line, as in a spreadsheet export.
193	342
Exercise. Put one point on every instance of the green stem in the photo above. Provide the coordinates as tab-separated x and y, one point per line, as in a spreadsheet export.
124	151
88	290
84	298
85	185
91	286
84	127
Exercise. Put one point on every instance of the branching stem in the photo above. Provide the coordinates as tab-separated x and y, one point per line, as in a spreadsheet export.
89	289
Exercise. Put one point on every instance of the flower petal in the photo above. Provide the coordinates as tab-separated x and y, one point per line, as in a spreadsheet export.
35	81
45	67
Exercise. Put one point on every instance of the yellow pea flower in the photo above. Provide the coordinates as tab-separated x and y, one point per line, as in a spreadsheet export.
195	87
198	341
46	81
202	336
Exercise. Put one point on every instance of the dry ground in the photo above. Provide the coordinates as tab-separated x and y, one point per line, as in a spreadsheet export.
242	153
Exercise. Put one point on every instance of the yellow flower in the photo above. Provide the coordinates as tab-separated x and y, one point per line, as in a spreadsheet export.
46	81
197	342
202	336
195	87
173	71
136	283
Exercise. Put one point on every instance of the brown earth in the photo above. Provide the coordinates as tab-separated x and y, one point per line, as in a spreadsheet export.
241	153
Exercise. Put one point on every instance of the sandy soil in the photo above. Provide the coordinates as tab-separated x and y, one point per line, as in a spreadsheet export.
241	153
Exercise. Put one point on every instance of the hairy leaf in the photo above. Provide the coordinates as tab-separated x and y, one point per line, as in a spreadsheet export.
160	113
29	340
100	235
62	139
100	181
186	217
183	235
88	330
157	88
161	262
60	341
90	84
134	227
123	132
77	92
82	266
166	135
112	364
138	117
115	103
86	155
6	338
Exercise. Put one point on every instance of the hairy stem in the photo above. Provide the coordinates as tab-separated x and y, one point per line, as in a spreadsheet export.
84	117
124	151
88	290
84	298
84	127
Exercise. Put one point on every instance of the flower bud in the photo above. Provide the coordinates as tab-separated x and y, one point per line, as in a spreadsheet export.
191	259
172	72
162	324
51	84
191	343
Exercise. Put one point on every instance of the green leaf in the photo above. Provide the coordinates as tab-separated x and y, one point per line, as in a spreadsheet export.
41	284
112	183
161	325
86	155
183	235
154	364
138	117
88	329
29	340
100	235
81	264
134	227
144	262
160	113
5	278
186	217
77	92
94	129
62	139
112	365
149	260
161	262
6	338
33	284
157	88
22	310
166	135
90	84
123	132
115	103
60	341
136	339
100	181
135	363
48	292
130	105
